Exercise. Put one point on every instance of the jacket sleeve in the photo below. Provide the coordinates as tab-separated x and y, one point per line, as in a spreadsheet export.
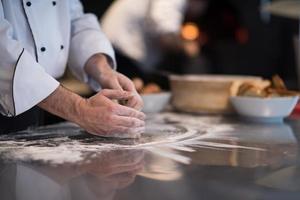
166	16
23	82
87	39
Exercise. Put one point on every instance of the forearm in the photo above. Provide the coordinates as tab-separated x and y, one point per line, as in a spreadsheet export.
97	65
63	103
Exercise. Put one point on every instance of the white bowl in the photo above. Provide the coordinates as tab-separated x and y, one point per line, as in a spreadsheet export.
264	109
155	102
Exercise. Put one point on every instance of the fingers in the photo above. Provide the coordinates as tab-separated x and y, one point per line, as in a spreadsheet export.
129	112
116	85
128	122
117	94
119	132
135	102
125	132
110	119
122	83
130	99
126	83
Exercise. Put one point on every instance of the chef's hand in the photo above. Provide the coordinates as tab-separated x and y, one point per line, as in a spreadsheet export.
99	68
100	115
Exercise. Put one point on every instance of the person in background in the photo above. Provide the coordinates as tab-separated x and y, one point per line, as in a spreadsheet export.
37	40
141	31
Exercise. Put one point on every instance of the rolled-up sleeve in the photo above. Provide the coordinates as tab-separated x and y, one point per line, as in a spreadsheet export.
23	82
87	39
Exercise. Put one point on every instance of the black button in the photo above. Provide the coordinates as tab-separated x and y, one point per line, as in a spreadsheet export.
43	49
54	3
62	47
28	3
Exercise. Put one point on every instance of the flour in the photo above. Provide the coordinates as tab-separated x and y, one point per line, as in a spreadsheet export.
67	143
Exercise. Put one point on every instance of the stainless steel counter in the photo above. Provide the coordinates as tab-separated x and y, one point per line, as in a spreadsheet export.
180	157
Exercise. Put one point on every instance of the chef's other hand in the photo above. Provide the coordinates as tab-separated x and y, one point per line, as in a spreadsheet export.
116	80
99	68
100	115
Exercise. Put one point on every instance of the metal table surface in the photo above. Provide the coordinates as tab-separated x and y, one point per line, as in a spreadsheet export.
218	158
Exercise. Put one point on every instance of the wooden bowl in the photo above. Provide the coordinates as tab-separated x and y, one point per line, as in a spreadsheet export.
206	93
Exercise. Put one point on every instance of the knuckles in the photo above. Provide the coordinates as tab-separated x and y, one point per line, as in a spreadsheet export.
112	108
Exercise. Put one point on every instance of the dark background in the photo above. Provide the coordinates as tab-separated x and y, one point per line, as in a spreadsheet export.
239	41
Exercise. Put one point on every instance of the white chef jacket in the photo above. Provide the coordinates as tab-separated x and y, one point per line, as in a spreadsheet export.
132	25
37	39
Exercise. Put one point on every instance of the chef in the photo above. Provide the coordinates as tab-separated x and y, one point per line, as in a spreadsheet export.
37	40
142	31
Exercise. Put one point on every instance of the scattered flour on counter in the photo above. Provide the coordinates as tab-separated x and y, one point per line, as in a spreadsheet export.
67	143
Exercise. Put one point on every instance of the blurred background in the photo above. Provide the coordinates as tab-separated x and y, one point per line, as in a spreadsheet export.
213	36
228	37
